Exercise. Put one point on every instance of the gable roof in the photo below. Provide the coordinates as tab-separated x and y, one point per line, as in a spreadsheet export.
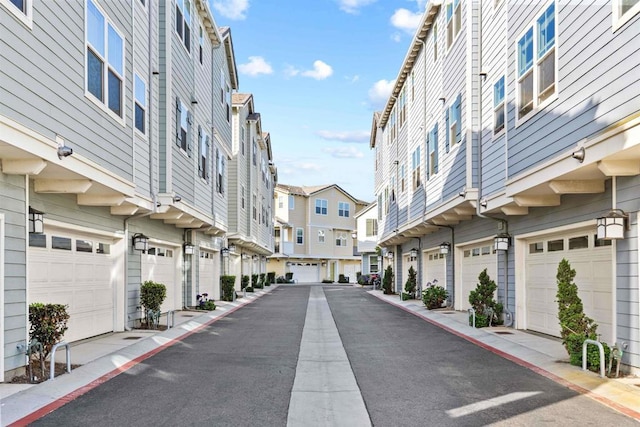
307	191
225	32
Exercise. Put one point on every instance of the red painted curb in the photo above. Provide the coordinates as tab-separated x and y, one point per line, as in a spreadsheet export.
608	402
58	403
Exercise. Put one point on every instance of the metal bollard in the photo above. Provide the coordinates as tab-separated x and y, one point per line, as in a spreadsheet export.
53	358
584	355
472	312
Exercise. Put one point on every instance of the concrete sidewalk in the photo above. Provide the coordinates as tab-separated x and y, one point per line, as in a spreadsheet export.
544	355
102	358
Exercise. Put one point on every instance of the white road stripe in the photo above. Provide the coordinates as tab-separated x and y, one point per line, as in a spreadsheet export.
490	403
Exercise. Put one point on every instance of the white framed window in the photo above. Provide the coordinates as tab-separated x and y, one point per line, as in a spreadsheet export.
183	22
536	67
453	120
320	236
372	227
228	101
242	197
402	177
255	153
373	263
140	105
454	21
434	35
104	67
21	9
280	202
623	11
204	148
201	50
415	168
292	202
255	207
183	125
343	209
321	206
341	239
498	106
220	169
299	236
432	152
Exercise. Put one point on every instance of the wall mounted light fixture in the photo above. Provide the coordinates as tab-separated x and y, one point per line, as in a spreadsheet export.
612	225
140	242
501	242
36	221
445	247
578	154
189	249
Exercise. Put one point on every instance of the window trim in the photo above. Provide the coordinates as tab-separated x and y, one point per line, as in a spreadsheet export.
619	19
321	236
416	162
104	105
456	7
501	105
144	108
299	236
25	17
292	202
345	207
537	105
186	43
321	207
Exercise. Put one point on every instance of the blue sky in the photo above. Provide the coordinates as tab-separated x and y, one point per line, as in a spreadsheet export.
318	69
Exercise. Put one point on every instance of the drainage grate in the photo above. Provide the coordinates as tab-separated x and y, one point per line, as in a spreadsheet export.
131	338
503	332
187	315
446	312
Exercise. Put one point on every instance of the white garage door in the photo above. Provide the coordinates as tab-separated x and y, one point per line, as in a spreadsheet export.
159	265
209	270
592	260
350	271
305	272
77	270
435	269
475	258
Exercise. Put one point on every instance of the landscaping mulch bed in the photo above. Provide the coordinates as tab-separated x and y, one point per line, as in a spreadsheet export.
60	369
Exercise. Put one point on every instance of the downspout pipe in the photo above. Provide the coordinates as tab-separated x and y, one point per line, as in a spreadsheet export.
504	223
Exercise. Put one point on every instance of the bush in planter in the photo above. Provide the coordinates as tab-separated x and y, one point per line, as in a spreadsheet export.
244	282
249	289
433	296
262	280
343	279
271	278
488	310
411	283
327	281
363	279
387	280
48	323
255	281
575	326
228	287
152	295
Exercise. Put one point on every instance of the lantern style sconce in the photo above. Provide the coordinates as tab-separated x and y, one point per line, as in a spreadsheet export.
354	235
232	248
255	257
413	253
390	255
501	242
612	225
445	247
225	252
140	242
245	256
36	221
189	249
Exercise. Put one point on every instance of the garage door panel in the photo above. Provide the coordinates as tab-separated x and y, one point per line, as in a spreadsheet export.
475	259
305	273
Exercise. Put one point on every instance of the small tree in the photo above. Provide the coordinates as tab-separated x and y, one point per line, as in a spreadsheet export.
228	284
575	325
411	283
244	282
487	309
387	280
48	323
254	281
152	296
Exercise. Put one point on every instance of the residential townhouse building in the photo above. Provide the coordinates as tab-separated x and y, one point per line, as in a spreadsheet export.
314	227
367	240
252	180
511	141
115	141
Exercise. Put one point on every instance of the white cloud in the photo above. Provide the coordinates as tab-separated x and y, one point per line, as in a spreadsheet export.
352	6
379	93
344	152
358	136
256	65
232	9
405	20
320	71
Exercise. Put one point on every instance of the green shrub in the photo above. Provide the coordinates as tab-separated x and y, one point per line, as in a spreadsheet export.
482	301
271	278
249	289
575	326
152	295
255	281
433	296
387	280
228	285
48	323
244	282
406	296
411	283
209	305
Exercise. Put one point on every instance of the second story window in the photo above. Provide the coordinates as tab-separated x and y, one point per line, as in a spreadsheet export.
498	105
536	63
201	45
183	123
321	206
204	147
255	207
341	239
183	22
372	227
299	236
220	167
320	236
623	11
453	124
105	60
415	167
22	9
255	153
454	21
242	197
280	202
343	209
402	177
140	113
292	203
432	151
